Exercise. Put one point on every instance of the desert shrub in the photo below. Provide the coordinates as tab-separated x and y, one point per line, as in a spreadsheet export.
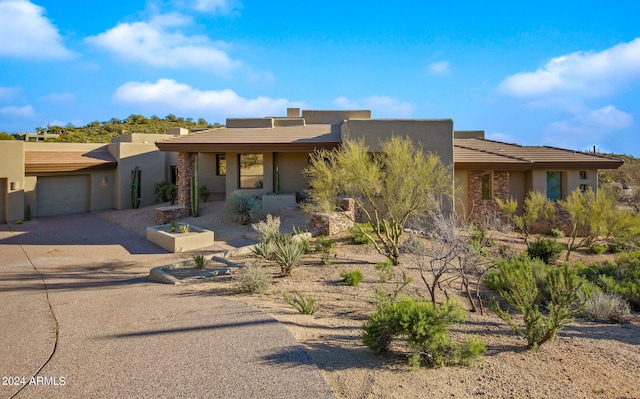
288	254
352	277
385	270
621	277
303	238
358	237
253	280
521	292
425	328
243	208
608	307
304	305
204	193
556	233
165	192
184	228
615	247
199	261
545	249
494	281
324	244
268	228
597	249
263	249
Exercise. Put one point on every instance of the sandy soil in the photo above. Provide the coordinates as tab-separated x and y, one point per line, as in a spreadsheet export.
587	360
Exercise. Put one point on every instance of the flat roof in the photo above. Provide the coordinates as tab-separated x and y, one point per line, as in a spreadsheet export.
277	139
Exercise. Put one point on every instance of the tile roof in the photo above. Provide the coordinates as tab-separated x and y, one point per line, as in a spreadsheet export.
491	154
280	138
68	161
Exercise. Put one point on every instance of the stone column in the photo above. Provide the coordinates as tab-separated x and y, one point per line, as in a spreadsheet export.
186	170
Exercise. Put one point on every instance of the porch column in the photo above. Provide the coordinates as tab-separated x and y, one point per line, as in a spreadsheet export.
186	170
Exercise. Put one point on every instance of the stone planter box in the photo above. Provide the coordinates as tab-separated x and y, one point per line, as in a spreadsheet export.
180	242
272	203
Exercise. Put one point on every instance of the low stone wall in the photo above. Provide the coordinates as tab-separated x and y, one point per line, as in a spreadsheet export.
561	221
336	222
167	214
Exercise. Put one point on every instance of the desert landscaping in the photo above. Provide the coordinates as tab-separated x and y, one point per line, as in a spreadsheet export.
588	359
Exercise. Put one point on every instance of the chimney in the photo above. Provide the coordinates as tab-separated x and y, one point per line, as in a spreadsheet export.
293	112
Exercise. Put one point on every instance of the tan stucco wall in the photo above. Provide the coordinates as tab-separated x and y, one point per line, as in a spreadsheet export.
332	116
207	173
12	158
153	166
290	166
517	187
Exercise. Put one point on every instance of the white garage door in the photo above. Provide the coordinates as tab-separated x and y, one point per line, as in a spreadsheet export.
62	195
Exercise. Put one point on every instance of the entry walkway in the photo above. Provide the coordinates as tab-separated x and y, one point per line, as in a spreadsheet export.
78	309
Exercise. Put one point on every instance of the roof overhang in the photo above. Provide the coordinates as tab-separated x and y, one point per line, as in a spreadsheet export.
245	147
68	161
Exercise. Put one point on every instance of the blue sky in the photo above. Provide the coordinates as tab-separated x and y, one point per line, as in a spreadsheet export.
560	73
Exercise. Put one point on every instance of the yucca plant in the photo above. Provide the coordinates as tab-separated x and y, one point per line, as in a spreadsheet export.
199	261
304	305
244	208
288	254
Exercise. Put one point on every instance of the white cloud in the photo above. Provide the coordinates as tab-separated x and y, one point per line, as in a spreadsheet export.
215	6
8	93
439	68
380	106
18	112
173	96
58	98
609	117
590	74
26	32
160	43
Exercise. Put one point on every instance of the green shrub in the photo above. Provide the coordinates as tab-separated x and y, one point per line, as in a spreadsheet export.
545	249
243	208
165	192
352	277
521	292
324	244
304	305
597	249
539	269
385	270
607	307
357	237
556	233
615	247
288	254
268	228
621	277
204	193
253	280
199	261
425	328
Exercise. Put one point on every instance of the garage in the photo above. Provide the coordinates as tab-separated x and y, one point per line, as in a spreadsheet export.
62	195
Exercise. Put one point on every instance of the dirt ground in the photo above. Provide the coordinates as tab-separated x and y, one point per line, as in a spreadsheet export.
588	359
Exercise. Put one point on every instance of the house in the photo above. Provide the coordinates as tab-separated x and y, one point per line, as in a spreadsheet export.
265	155
248	153
64	178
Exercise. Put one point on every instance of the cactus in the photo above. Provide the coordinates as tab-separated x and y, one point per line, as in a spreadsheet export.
195	195
27	213
277	181
135	183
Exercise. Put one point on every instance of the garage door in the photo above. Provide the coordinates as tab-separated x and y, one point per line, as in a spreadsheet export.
62	195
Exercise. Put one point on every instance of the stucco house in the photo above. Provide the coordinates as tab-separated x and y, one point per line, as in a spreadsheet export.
248	154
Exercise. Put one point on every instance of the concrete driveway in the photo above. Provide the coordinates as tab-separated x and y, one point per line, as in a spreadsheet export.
79	315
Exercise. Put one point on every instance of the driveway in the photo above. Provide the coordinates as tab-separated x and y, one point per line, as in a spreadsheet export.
79	314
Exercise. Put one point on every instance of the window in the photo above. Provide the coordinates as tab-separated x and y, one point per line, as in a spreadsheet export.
487	186
251	170
584	188
554	186
583	175
221	164
174	174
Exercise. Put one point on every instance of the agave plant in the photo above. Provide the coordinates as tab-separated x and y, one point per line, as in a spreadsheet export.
244	208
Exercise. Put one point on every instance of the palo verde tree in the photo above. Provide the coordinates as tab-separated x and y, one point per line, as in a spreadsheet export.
536	207
388	187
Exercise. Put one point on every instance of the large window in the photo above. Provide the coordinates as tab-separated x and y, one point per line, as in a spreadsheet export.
251	170
487	186
554	186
